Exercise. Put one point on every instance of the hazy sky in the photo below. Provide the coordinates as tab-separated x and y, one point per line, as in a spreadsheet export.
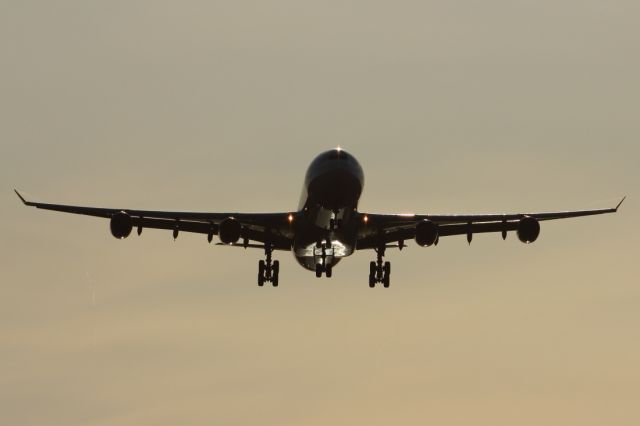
461	106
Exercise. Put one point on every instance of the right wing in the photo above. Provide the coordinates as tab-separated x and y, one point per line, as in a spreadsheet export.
273	228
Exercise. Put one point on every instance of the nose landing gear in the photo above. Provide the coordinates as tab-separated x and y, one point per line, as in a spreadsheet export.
268	271
327	269
379	271
322	253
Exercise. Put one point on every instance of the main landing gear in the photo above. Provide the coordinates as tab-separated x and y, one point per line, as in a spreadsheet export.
323	266
379	271
268	271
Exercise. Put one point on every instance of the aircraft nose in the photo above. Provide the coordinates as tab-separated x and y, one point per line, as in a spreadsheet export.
336	188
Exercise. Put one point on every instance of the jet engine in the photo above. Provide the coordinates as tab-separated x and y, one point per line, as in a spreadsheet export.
426	233
229	230
528	229
121	225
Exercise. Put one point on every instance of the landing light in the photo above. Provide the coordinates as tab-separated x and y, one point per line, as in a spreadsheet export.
290	218
365	219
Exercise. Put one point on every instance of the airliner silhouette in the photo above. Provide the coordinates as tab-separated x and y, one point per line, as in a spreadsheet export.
327	225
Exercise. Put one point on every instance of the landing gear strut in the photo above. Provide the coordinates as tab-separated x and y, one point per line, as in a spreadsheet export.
268	271
379	271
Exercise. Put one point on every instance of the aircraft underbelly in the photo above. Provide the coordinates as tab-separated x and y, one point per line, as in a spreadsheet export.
311	262
334	246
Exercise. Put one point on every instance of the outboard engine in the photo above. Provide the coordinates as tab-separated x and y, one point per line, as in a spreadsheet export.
528	229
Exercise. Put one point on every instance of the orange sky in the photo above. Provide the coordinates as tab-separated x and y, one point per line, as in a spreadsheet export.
451	107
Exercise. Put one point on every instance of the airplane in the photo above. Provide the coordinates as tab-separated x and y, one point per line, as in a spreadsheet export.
327	226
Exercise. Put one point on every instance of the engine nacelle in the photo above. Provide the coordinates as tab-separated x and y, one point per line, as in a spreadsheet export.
229	230
528	229
121	225
426	233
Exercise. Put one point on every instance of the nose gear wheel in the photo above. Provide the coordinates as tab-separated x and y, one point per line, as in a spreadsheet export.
323	266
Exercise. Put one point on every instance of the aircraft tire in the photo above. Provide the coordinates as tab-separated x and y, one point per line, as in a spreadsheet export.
261	273
276	273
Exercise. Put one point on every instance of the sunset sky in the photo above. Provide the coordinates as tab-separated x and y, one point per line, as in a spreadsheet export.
450	107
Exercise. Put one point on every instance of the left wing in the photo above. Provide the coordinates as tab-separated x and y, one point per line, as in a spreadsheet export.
382	229
272	228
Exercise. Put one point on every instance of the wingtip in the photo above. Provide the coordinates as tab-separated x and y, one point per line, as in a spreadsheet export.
20	196
620	203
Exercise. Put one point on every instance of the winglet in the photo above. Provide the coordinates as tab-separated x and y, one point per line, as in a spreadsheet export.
620	203
20	196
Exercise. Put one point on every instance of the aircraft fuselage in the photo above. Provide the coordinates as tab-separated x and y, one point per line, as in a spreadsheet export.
328	218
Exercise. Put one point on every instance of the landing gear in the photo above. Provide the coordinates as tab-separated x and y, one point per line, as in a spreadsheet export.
322	265
379	271
276	273
268	271
261	274
328	270
372	274
386	275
